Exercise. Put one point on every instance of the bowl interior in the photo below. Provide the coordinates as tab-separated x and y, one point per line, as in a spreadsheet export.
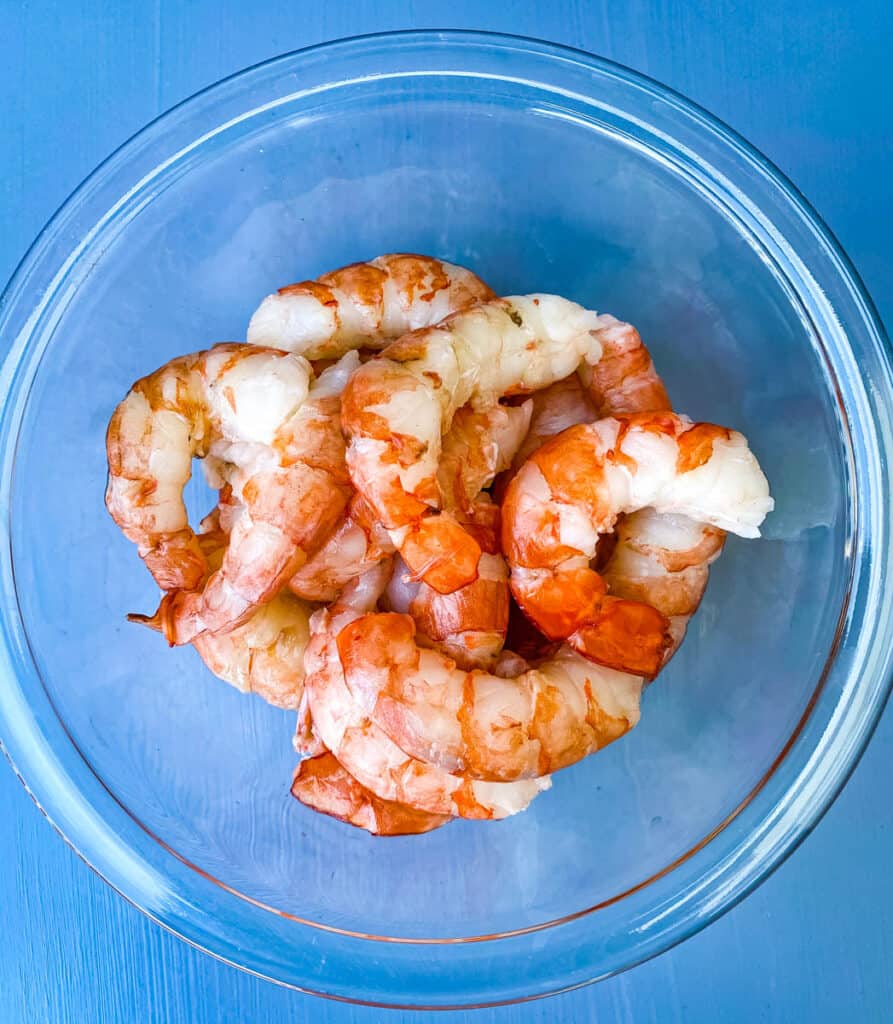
533	201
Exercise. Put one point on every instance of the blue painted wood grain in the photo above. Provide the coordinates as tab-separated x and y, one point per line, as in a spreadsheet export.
809	82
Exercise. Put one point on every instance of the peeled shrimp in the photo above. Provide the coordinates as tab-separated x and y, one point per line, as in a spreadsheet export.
571	491
476	448
364	749
322	783
624	380
396	408
475	724
363	305
660	559
265	655
358	543
470	623
663	560
271	439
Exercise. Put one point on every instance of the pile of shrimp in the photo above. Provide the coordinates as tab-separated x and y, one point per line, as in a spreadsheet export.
456	534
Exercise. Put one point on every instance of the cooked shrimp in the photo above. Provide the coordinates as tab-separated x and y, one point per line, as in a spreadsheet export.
152	437
358	543
396	408
469	624
476	724
364	305
571	491
265	655
476	448
661	559
271	440
364	749
321	783
561	405
624	380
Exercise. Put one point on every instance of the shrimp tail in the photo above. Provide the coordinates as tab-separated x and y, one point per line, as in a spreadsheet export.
155	621
166	619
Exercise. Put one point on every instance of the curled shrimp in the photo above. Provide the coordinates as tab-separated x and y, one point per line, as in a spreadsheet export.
265	655
271	440
477	447
624	380
397	407
322	783
363	305
478	725
468	623
657	558
471	621
571	492
663	560
364	749
358	543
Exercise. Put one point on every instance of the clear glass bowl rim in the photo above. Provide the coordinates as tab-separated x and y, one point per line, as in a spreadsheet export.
20	734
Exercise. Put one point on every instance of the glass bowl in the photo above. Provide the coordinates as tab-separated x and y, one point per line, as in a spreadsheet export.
543	169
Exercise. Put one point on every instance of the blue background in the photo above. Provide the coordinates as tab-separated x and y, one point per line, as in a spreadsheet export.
811	86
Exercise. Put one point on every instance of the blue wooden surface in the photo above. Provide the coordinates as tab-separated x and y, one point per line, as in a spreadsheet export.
809	82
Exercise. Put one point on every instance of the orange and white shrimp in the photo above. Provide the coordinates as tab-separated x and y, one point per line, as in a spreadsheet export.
658	558
364	305
624	380
477	447
325	785
663	560
571	492
479	725
269	435
265	655
469	623
397	407
364	749
358	543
